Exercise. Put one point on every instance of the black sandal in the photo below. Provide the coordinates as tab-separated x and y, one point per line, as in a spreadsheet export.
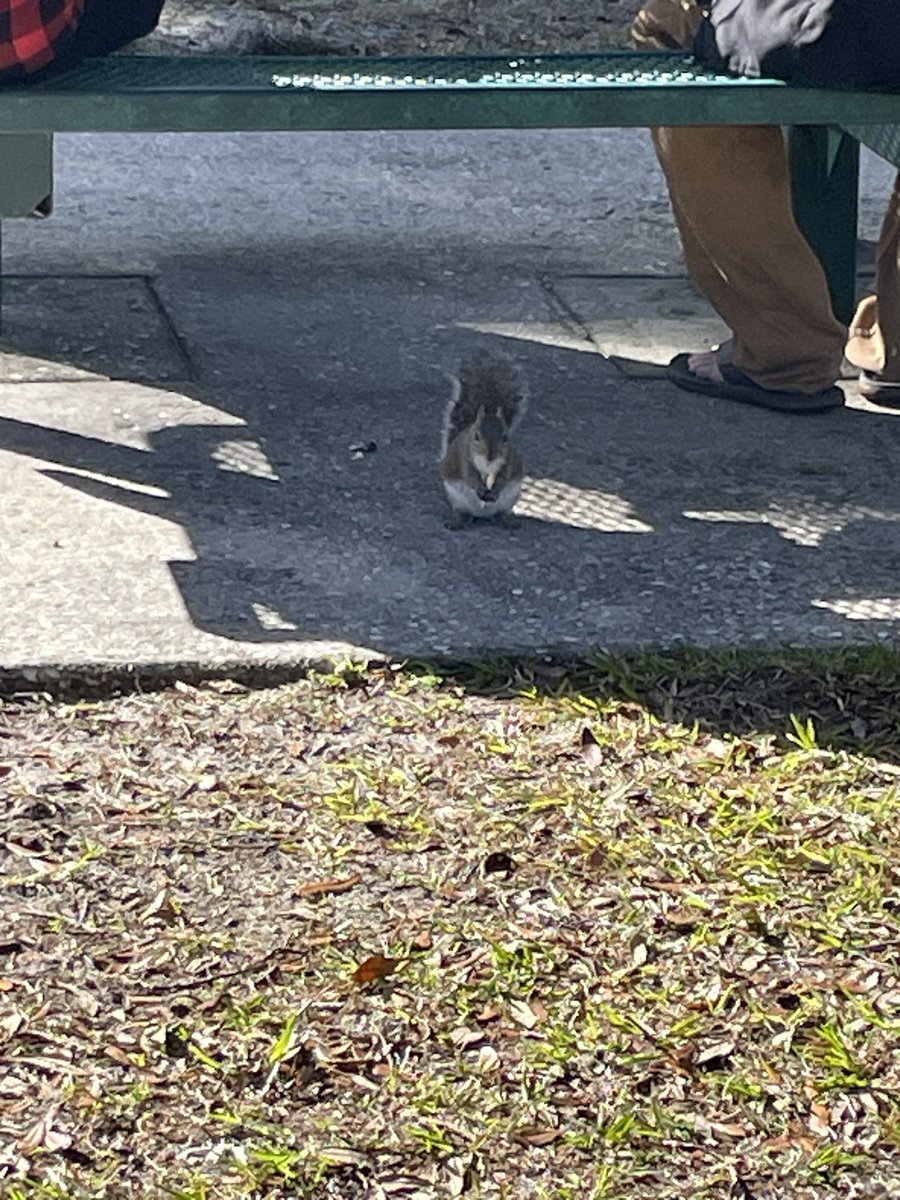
735	385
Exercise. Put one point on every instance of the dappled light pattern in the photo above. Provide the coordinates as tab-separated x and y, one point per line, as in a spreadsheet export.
799	521
271	619
867	608
244	457
581	508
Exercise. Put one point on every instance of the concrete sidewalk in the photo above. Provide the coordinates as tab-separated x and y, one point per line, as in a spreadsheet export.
223	387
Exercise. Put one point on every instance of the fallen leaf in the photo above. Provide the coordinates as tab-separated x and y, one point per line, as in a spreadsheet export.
463	1037
534	1135
590	748
639	954
538	1009
714	1055
820	1120
43	1135
684	919
731	1128
422	941
597	857
375	967
11	1024
455	1177
7	984
118	1056
522	1014
160	906
327	887
344	1156
490	1012
488	1060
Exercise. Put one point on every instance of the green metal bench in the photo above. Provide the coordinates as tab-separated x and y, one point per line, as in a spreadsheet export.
134	94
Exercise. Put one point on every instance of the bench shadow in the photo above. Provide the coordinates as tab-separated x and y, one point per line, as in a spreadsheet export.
307	490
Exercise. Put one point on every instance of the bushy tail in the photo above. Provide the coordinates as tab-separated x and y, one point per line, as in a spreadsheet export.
488	381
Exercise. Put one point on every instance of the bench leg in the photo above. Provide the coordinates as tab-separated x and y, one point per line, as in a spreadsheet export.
825	180
26	175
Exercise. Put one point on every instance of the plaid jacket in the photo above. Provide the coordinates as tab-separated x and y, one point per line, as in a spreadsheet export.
32	32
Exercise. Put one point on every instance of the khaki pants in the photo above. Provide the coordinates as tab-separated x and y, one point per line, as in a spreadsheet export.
731	196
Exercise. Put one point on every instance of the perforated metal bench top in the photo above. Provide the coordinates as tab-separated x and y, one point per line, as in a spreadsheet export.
531	91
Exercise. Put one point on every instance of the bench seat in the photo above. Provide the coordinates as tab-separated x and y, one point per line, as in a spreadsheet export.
616	88
131	93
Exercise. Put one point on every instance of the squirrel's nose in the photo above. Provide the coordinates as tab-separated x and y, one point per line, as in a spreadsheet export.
486	494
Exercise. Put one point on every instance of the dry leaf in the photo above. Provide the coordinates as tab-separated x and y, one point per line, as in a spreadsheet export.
422	941
11	1024
820	1119
534	1135
7	984
327	887
684	919
42	1134
118	1056
538	1009
375	967
490	1012
590	748
488	1060
712	1054
462	1037
731	1128
160	906
522	1014
344	1156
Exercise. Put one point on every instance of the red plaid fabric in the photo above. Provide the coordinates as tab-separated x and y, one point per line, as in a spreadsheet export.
32	32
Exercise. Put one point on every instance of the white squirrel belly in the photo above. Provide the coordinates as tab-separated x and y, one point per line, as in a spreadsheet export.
465	499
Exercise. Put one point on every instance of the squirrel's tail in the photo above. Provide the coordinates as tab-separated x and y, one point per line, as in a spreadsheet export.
486	382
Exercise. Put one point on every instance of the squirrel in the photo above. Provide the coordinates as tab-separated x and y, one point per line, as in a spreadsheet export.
480	467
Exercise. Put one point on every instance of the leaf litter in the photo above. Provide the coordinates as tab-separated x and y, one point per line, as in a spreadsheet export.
679	975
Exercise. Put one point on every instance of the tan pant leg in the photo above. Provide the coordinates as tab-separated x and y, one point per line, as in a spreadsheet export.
731	196
874	342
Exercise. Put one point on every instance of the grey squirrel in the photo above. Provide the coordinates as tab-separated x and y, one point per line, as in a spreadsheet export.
481	469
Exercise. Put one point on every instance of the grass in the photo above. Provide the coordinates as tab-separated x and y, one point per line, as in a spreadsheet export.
616	928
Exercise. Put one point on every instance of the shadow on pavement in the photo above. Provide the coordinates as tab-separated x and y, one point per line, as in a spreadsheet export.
650	517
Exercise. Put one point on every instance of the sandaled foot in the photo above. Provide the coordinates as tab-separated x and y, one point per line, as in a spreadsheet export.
879	391
709	375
